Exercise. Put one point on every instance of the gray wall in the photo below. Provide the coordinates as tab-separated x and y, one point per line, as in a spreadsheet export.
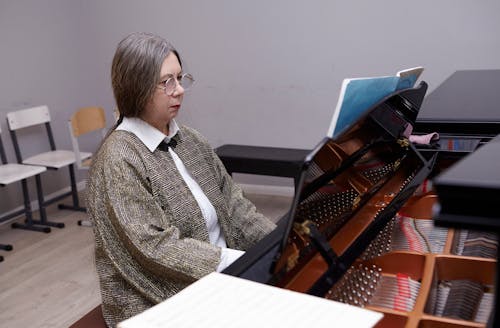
268	72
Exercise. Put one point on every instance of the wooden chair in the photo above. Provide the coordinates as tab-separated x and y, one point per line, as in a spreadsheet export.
53	159
12	173
85	121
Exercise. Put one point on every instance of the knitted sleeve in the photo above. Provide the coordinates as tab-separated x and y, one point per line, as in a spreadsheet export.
247	226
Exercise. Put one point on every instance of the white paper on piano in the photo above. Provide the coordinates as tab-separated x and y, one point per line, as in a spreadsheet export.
220	300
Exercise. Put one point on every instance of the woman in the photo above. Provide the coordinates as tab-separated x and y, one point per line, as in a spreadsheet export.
165	210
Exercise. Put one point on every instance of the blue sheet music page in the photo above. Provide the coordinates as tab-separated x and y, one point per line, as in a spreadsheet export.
357	96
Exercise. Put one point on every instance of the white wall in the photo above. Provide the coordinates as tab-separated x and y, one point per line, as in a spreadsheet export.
268	72
40	64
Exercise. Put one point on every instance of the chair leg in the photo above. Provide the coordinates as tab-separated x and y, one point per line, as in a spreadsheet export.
74	194
85	223
29	223
6	247
41	205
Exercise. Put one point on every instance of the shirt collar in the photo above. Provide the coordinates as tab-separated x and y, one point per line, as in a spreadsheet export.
149	135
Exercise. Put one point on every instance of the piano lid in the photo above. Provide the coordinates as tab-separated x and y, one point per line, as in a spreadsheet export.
365	172
467	102
349	188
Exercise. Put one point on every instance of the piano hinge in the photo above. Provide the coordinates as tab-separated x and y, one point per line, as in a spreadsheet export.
396	164
319	241
303	228
403	142
356	202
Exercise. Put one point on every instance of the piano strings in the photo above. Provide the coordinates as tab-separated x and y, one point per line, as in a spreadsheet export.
476	243
409	234
463	299
368	286
364	285
459	299
326	206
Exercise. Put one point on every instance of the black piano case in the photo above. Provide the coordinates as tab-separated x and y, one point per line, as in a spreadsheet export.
360	229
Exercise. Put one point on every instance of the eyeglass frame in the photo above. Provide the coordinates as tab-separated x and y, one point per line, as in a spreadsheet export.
177	83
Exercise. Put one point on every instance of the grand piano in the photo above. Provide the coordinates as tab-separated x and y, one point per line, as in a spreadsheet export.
361	229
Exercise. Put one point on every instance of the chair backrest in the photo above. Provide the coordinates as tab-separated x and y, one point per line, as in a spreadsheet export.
28	117
85	120
24	118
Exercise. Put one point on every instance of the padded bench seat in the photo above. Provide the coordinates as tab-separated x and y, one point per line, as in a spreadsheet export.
275	161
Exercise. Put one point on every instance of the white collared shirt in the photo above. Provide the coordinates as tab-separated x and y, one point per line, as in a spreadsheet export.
151	138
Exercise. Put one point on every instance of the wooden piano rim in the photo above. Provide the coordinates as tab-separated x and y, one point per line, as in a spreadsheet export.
413	320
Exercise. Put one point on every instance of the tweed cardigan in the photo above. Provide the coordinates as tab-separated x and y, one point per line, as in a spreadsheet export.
151	240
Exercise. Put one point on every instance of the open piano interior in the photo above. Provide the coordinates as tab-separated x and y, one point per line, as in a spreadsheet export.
361	231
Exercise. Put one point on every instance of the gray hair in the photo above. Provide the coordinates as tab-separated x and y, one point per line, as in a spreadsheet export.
135	71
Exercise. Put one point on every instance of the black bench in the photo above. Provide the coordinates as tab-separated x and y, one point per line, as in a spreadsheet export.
275	161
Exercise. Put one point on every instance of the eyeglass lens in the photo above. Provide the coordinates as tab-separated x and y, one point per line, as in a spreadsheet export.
185	81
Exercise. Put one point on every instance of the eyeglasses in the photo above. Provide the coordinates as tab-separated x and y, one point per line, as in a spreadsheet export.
169	85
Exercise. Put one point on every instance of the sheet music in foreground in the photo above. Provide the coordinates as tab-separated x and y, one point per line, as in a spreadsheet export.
220	300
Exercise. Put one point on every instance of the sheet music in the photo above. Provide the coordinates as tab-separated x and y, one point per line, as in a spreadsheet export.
220	300
358	95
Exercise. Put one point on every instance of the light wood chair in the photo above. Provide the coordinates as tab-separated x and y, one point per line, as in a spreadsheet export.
53	159
12	173
85	121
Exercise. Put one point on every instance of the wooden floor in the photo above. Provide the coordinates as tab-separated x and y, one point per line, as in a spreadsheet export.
49	280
